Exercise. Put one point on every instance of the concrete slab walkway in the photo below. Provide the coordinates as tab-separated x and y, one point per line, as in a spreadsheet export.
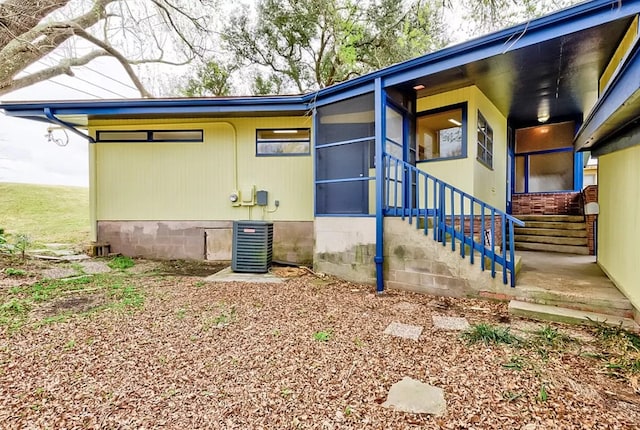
228	275
567	280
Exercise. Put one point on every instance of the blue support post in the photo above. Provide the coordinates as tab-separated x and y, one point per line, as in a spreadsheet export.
379	155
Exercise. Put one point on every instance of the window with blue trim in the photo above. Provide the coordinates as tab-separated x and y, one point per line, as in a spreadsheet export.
441	133
485	142
279	142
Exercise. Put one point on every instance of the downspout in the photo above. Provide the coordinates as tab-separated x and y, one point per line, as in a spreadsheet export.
69	126
379	147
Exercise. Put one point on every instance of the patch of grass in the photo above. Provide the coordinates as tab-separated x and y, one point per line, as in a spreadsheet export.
550	336
70	345
121	263
126	297
323	335
181	313
10	271
487	334
48	289
14	312
622	359
47	213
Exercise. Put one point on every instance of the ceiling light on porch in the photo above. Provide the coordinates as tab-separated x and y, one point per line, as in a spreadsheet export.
288	131
454	121
419	87
543	118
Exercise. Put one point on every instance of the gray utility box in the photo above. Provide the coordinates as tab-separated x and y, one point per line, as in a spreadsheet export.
252	246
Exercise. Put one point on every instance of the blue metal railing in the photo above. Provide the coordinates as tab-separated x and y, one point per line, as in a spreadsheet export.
451	214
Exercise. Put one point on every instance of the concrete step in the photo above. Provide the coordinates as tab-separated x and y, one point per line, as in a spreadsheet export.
554	240
551	218
556	225
569	316
567	249
550	232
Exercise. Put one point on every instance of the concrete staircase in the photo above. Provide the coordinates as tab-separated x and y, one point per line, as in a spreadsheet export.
552	233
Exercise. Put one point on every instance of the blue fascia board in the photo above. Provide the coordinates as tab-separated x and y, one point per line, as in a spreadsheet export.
157	106
619	105
548	27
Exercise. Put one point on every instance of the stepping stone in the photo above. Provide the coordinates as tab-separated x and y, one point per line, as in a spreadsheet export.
93	267
59	273
404	330
413	396
450	323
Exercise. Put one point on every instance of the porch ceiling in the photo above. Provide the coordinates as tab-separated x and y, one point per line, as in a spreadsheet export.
558	77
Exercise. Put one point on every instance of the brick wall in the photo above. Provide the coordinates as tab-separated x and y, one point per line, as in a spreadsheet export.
477	227
569	203
590	195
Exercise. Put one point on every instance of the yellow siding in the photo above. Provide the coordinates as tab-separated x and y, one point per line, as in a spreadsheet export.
193	181
621	52
489	185
618	226
468	174
459	172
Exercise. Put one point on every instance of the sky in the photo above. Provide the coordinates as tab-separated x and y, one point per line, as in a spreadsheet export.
27	156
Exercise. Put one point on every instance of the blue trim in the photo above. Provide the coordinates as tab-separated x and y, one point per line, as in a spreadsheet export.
314	166
149	138
318	99
336	181
578	170
380	126
346	142
69	126
546	151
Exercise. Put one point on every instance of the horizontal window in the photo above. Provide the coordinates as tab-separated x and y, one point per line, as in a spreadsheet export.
441	134
288	141
149	136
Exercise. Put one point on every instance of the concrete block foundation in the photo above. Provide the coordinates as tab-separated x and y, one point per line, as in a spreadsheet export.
199	240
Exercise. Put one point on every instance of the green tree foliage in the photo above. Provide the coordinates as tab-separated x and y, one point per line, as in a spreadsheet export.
211	79
301	45
484	16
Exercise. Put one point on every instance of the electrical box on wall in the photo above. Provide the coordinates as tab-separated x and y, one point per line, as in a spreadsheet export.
262	198
248	197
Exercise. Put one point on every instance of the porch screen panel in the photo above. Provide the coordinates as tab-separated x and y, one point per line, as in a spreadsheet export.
551	172
345	153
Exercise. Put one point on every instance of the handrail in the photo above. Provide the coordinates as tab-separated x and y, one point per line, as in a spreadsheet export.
412	193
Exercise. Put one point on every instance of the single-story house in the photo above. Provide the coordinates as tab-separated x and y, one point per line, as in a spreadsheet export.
401	177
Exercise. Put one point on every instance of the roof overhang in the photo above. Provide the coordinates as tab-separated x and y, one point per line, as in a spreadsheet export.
617	109
78	113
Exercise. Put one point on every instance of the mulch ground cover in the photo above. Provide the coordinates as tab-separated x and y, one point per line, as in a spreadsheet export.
177	352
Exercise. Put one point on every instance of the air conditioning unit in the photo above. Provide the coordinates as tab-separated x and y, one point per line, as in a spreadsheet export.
252	246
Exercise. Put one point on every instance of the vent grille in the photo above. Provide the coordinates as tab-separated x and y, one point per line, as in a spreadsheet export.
252	246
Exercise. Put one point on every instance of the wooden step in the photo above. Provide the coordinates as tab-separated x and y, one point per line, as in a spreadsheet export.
557	240
550	232
567	249
551	218
555	225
